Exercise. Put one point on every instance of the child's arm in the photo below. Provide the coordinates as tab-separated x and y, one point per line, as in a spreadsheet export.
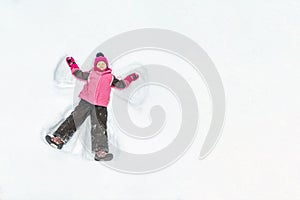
121	84
81	75
75	69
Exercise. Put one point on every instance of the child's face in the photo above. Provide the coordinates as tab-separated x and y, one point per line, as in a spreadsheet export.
101	65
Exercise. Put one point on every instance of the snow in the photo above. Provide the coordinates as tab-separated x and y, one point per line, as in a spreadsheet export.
254	45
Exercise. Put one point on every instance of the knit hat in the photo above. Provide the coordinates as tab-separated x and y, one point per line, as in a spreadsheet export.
100	58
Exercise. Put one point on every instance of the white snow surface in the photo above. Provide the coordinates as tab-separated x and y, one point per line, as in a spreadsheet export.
255	46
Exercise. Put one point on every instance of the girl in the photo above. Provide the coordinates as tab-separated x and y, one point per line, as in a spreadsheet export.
94	100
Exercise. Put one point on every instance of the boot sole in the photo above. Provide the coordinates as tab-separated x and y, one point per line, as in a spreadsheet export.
108	157
54	145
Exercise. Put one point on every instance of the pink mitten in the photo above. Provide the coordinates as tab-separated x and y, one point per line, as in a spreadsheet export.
131	77
72	64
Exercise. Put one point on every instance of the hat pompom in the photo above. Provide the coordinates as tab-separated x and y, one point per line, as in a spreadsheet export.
99	54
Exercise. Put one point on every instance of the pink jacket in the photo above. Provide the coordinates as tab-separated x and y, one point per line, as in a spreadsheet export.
98	87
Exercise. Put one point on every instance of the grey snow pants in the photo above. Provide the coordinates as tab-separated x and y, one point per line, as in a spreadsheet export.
98	116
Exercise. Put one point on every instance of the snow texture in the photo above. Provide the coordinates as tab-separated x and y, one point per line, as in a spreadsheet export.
255	46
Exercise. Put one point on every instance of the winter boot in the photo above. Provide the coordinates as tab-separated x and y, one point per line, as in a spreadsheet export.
55	141
103	156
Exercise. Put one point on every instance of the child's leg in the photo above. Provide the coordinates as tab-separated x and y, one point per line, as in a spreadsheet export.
66	130
99	132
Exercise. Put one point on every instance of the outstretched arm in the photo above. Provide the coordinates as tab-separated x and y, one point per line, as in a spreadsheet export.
75	69
81	75
118	83
121	84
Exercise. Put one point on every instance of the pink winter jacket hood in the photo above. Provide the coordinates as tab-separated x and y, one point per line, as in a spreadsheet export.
98	87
